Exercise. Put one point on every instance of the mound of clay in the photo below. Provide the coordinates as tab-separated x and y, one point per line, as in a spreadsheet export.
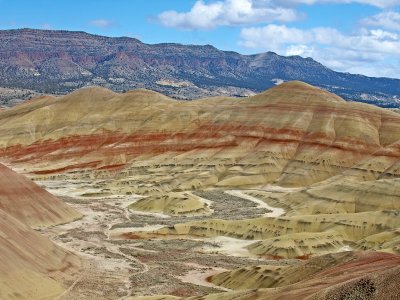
296	236
31	204
172	204
344	195
270	276
349	227
163	297
333	168
364	275
388	241
293	135
298	245
31	267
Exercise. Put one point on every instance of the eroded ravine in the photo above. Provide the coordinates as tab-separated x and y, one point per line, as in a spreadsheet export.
120	269
107	270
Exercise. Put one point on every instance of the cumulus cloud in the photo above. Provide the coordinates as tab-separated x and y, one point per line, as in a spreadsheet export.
206	15
378	41
102	23
373	50
377	3
273	36
386	19
301	50
227	13
365	52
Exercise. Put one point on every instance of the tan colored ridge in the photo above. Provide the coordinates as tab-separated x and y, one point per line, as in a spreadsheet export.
32	267
363	275
31	204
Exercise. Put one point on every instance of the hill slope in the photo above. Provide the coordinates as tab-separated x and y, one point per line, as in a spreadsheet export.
31	267
348	275
31	204
293	134
60	61
340	156
291	173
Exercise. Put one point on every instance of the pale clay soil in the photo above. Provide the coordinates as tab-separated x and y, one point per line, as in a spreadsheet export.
119	269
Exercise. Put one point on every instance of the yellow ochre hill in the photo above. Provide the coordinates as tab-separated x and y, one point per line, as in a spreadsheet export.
210	192
31	266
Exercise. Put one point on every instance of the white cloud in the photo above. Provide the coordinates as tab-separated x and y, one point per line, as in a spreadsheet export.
102	23
386	19
227	13
372	52
377	3
209	14
301	50
273	36
374	41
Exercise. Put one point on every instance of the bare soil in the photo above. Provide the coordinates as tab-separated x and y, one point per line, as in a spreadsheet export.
118	269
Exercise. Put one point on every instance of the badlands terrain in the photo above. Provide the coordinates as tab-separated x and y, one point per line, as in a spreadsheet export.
291	193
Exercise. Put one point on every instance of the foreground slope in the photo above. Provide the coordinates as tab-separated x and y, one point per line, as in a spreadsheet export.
348	275
31	204
31	266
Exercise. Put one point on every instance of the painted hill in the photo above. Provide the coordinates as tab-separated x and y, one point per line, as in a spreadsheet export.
339	276
34	61
293	135
32	267
328	169
31	204
340	156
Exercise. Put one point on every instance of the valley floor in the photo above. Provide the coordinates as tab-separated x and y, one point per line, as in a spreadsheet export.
169	265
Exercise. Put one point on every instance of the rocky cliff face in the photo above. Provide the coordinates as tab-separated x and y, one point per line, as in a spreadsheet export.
33	61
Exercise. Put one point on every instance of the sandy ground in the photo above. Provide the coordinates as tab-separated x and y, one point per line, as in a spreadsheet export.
121	269
88	237
199	276
277	188
230	246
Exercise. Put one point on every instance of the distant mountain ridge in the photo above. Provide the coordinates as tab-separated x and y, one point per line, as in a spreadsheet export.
57	62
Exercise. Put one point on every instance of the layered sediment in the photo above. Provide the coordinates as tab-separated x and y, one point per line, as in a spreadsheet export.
321	175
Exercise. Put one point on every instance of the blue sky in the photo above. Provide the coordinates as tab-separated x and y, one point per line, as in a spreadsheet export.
357	36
